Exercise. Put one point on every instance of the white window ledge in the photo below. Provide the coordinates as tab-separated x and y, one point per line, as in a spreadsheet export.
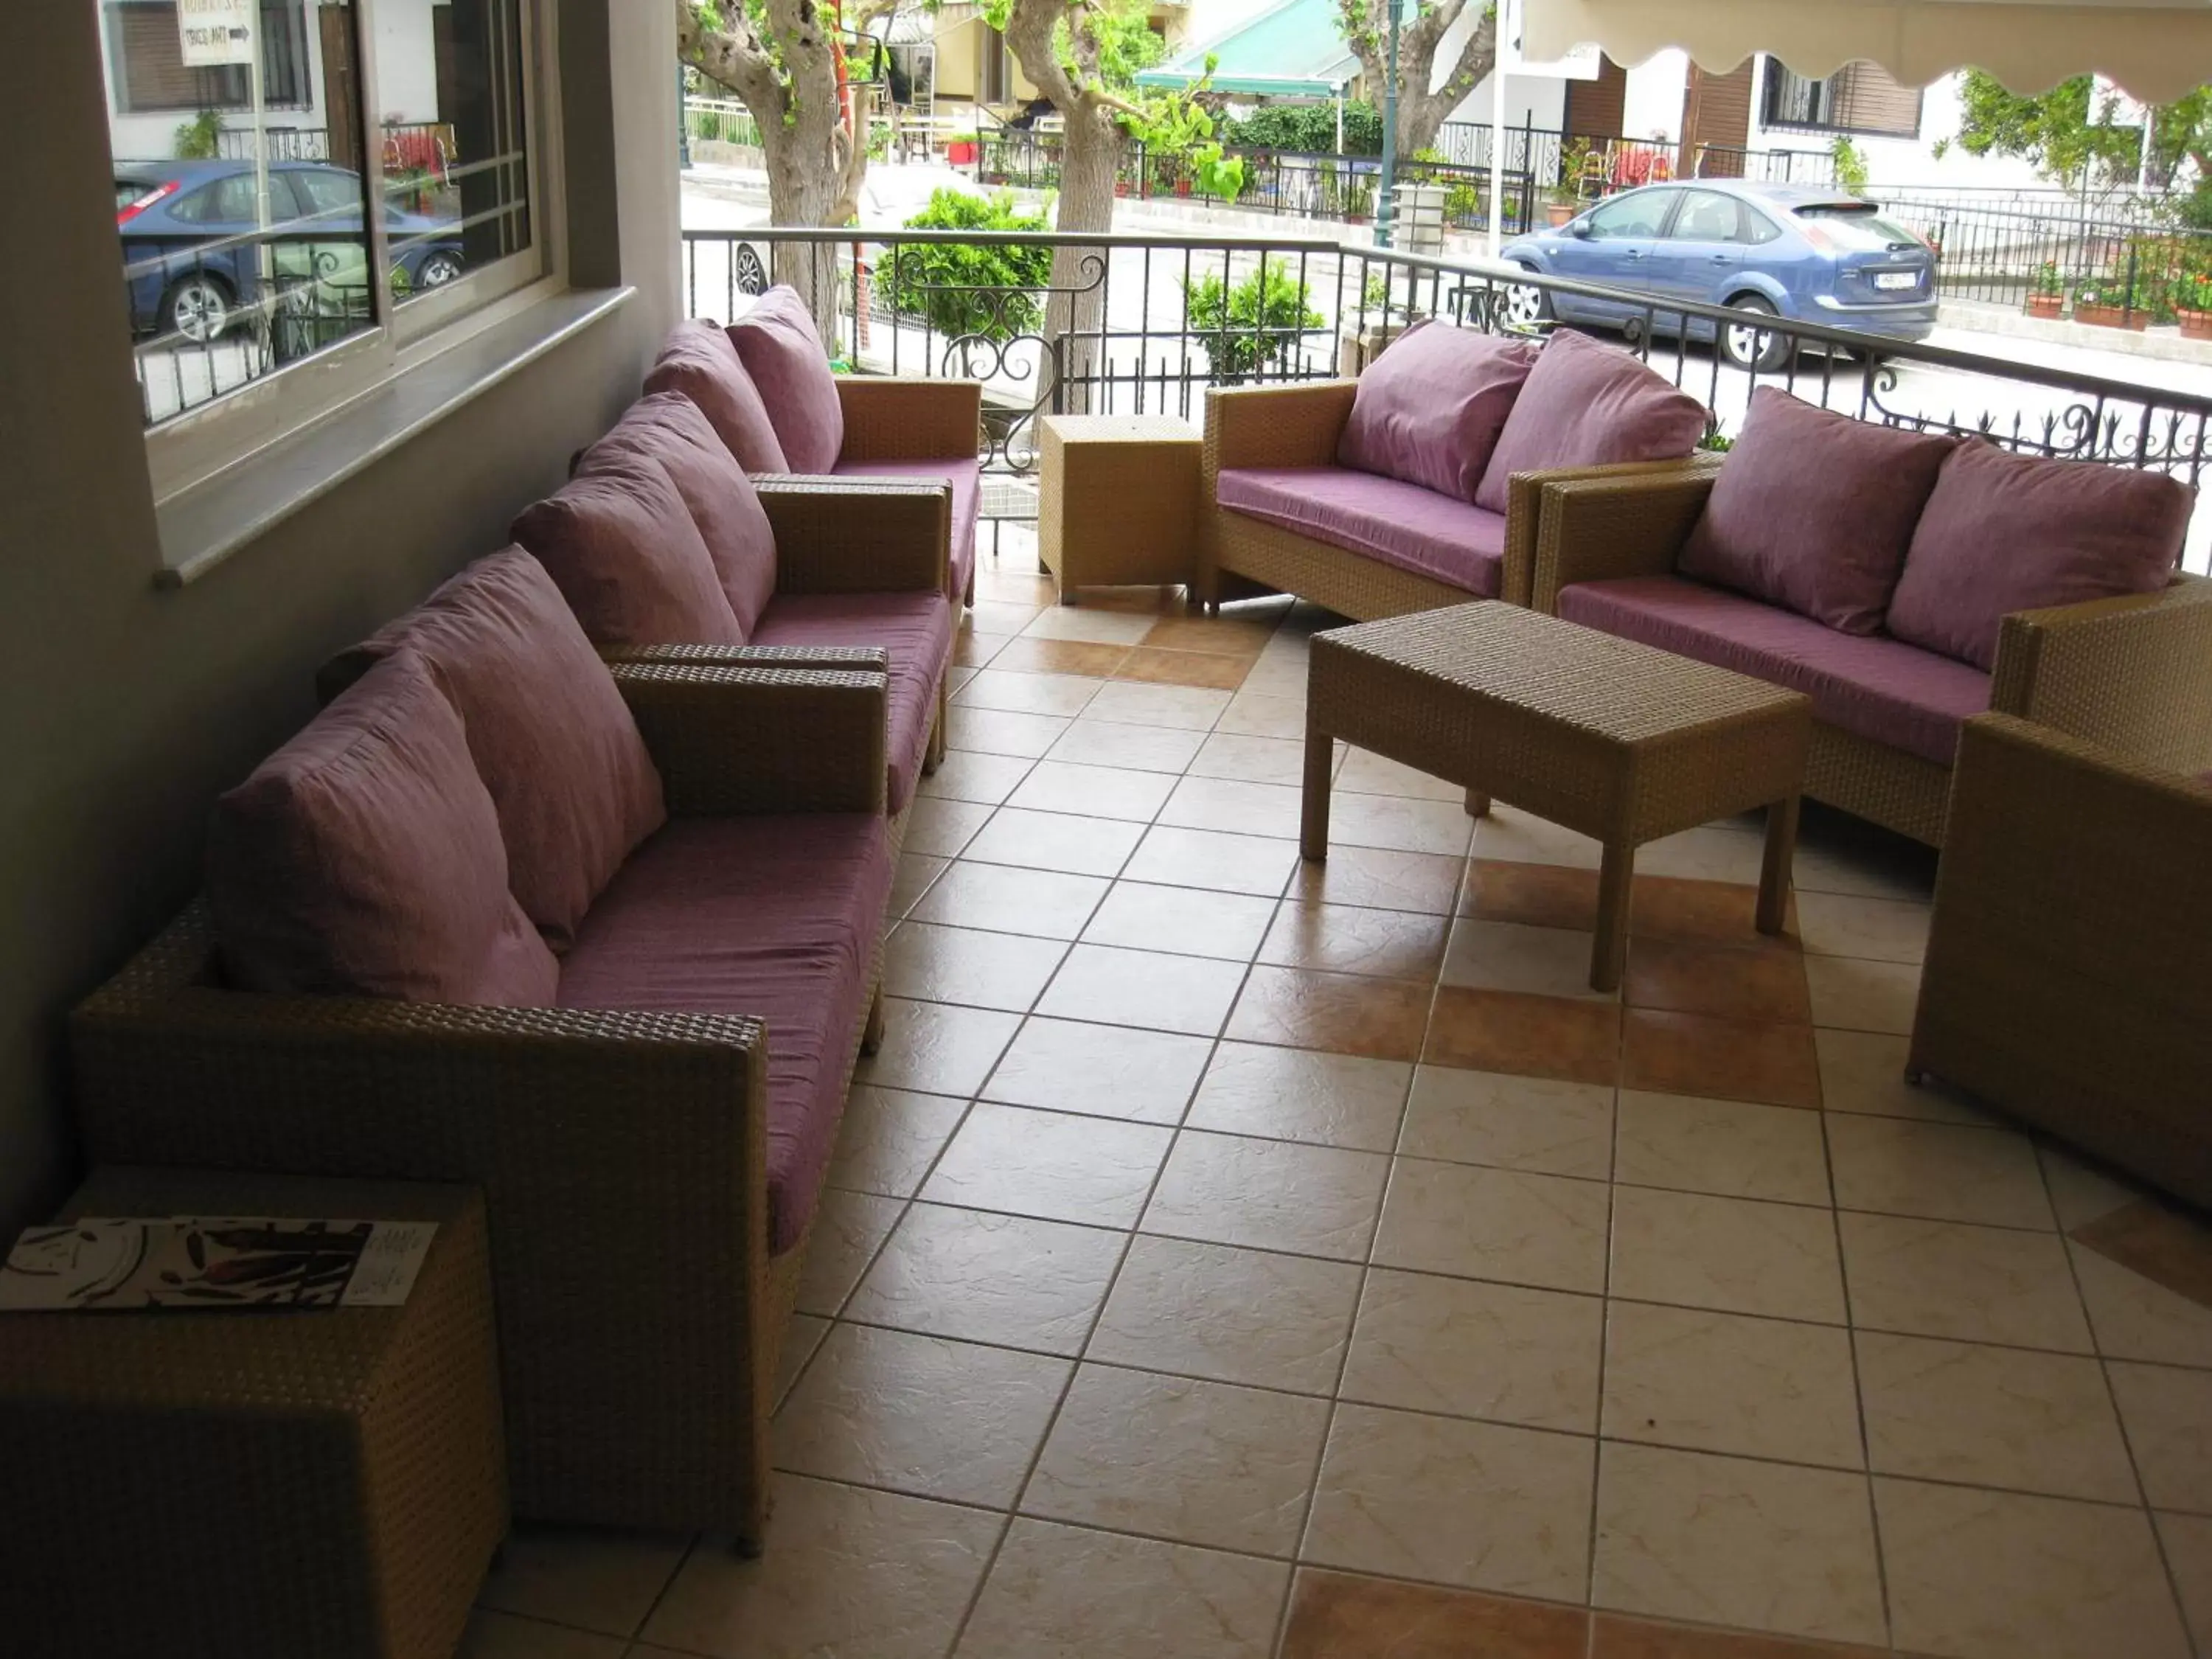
204	525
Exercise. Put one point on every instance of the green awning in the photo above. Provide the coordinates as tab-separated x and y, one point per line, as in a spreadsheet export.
1293	50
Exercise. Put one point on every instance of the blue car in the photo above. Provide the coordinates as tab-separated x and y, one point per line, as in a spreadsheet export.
189	231
1798	251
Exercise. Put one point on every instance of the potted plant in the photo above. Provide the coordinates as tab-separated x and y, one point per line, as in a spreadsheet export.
2047	291
1358	201
1566	195
960	150
2192	304
2113	302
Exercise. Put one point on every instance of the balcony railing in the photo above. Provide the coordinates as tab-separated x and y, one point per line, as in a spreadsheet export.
1145	340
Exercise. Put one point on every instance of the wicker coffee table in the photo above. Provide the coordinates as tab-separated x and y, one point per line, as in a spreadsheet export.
1622	742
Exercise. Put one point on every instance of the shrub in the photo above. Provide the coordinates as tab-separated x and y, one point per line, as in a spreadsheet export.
963	289
1307	129
200	139
1253	326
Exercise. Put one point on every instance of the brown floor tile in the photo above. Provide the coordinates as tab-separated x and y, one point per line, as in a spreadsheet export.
1034	656
1705	912
1158	667
1220	635
1426	882
1616	1637
1163	601
1528	1036
1343	1615
975	650
1343	1013
1677	1053
2163	1247
1709	979
1536	895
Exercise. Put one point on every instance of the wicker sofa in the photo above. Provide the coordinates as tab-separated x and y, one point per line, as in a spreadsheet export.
2068	973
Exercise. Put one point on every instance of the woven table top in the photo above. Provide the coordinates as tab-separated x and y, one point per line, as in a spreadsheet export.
1582	679
1122	429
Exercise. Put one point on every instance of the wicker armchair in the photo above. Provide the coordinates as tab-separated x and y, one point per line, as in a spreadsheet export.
2068	976
2139	668
1298	425
622	1154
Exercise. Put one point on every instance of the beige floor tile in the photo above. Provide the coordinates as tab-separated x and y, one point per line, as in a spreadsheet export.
1050	1164
1185	707
889	1139
1886	930
1537	1124
1864	1072
941	826
1351	939
2137	1318
1710	853
988	1277
1464	1348
1734	1148
1508	956
936	1048
1001	616
1734	1254
919	1414
505	1636
1366	773
594	1579
924	962
1514	836
1350	1615
1268	1195
1990	1575
1970	1283
999	732
2082	1192
1137	748
1991	1417
1863	862
974	648
1727	1382
1149	989
1102	791
1251	759
1027	694
1478	1504
1054	840
1106	1070
1946	1172
1427	883
1253	715
970	776
911	879
1206	858
1045	903
1172	1457
1298	1094
2188	1541
1401	823
801	1337
2168	1414
1191	921
1850	993
1232	807
847	1229
1058	1592
1504	1224
850	1571
1230	1315
1726	1540
1089	623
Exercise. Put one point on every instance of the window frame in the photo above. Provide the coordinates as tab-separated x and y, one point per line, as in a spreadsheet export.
1823	95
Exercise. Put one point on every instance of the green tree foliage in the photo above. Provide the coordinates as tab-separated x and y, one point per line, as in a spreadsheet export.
2074	136
1255	324
962	288
1308	129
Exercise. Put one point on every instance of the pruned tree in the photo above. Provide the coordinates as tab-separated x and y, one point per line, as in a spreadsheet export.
1434	78
2081	135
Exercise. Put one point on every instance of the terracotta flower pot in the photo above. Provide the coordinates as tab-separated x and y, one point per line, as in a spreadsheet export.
2195	325
1558	213
2103	316
2046	305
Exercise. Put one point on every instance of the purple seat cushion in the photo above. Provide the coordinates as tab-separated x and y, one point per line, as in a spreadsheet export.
1882	689
1402	525
1812	511
2007	532
363	859
550	736
700	362
666	429
777	343
622	549
915	628
768	916
1429	410
963	476
1587	405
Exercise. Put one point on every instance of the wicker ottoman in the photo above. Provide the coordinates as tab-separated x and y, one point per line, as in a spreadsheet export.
1117	499
317	1484
1620	741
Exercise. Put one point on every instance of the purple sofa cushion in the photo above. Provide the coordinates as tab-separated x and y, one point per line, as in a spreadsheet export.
1882	689
1812	511
768	916
1429	410
550	736
2007	532
1402	525
777	343
1587	405
363	859
622	549
699	362
669	430
915	628
964	478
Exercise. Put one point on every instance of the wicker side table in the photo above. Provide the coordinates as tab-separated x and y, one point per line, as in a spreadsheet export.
1117	499
1620	741
258	1484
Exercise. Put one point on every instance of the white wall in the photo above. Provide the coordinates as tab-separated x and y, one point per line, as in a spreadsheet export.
153	137
1538	100
1651	99
406	61
1908	161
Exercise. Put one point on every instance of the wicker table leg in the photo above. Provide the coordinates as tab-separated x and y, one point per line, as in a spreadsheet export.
1609	951
1477	803
1313	832
1774	868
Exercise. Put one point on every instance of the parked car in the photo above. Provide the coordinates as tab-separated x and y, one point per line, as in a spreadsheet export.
190	230
1802	253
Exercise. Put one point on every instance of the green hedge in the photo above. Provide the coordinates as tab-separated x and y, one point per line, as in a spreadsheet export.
1308	128
914	280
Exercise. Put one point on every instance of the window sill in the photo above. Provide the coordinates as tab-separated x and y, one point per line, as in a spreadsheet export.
204	525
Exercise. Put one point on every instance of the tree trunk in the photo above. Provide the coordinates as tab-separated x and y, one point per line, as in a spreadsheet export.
1075	312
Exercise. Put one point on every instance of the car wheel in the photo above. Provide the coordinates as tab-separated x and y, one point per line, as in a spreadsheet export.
1526	305
439	269
198	309
751	274
1750	344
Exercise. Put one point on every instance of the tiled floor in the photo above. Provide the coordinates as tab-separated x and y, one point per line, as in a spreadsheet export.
1228	1257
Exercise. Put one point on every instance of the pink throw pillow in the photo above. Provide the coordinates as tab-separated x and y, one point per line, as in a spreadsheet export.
699	362
1429	410
1587	405
624	553
777	343
363	859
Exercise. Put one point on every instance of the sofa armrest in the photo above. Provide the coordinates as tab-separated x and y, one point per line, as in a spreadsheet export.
1524	510
762	739
2131	674
1593	529
1273	426
858	534
909	418
872	657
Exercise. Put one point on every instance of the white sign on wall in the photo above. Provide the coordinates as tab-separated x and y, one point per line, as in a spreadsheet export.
215	32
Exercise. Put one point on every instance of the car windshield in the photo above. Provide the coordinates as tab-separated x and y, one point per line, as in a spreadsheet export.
1858	226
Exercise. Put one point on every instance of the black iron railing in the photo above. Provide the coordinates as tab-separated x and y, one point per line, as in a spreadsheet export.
2094	259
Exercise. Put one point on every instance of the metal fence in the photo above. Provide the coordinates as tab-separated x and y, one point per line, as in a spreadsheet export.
2128	271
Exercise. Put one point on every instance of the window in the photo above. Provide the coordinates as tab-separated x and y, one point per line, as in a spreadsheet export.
1707	216
1858	98
1639	213
146	58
